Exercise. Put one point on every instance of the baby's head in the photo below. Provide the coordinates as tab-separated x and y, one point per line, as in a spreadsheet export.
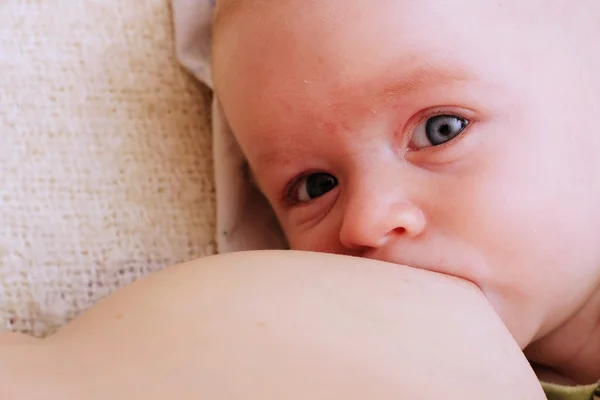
456	136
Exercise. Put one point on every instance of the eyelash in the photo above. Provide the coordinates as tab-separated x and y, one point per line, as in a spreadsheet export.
427	114
290	188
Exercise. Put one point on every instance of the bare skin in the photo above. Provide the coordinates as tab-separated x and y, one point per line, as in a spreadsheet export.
455	136
272	325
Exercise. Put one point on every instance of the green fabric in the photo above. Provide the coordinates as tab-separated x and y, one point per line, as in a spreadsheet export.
556	392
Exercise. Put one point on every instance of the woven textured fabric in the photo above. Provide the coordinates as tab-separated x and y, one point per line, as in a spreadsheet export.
106	170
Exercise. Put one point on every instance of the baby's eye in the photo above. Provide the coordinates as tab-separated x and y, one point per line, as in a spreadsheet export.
312	186
437	130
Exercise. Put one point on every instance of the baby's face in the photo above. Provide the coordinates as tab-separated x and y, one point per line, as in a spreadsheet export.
457	136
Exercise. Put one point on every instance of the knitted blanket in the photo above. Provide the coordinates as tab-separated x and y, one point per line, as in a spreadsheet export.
106	169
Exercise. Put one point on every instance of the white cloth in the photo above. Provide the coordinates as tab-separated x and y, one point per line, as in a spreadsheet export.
105	156
245	220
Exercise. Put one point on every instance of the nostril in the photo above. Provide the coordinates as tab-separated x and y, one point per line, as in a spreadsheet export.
399	231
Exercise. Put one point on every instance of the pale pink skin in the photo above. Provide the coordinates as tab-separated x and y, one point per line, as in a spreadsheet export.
511	204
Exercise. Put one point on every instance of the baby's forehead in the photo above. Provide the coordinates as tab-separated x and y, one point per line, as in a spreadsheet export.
421	23
268	55
320	50
456	8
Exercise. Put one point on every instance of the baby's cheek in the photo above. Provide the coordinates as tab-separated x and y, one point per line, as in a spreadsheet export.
517	222
322	238
310	242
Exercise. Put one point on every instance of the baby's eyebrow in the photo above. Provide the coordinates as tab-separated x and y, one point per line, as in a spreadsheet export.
417	78
425	77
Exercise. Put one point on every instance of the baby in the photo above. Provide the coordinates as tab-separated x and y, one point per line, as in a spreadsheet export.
454	136
448	135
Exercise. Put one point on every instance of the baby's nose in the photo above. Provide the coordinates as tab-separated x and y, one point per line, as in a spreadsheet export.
371	224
